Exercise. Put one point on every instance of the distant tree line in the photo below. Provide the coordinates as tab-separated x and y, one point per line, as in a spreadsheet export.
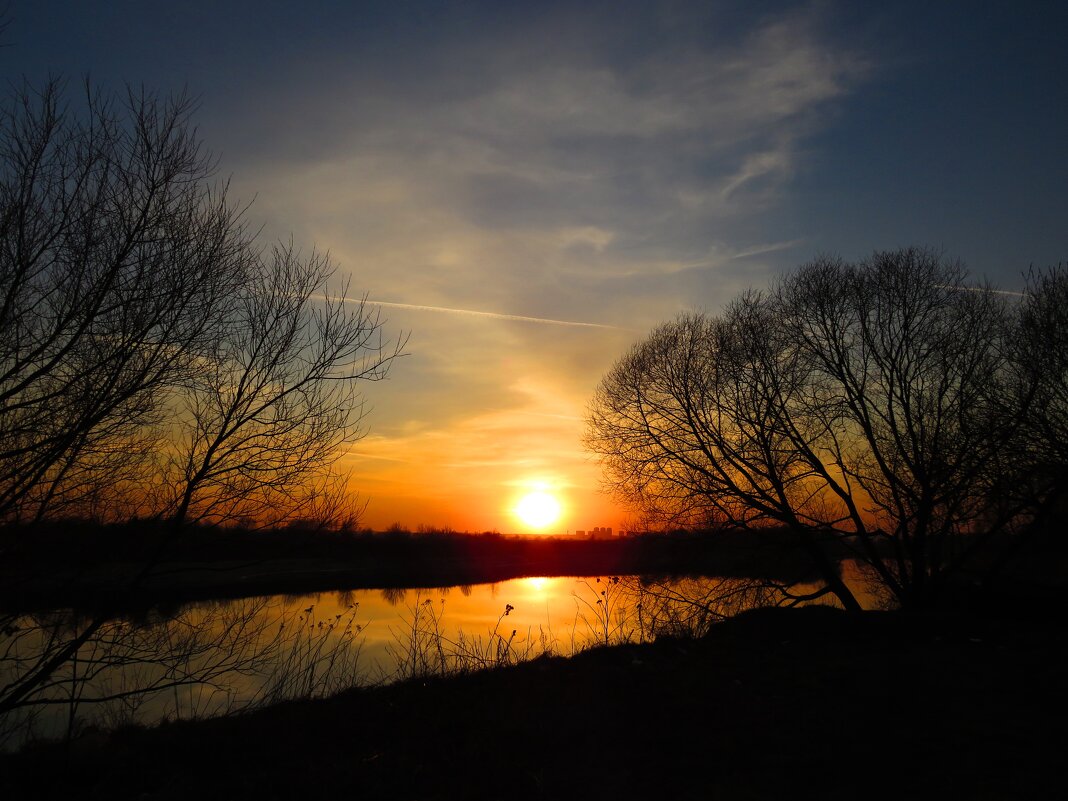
155	361
890	406
79	559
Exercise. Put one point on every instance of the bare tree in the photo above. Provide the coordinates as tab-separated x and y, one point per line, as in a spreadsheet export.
1044	351
923	400
261	427
152	358
867	405
116	256
1033	474
142	329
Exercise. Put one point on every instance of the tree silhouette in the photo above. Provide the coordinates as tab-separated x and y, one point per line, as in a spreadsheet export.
879	406
263	421
153	360
116	259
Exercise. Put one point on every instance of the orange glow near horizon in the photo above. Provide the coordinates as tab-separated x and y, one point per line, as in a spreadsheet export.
472	469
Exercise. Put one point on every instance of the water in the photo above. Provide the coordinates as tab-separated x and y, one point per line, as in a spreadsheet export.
216	657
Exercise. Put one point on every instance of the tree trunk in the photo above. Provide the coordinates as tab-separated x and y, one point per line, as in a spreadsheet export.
828	570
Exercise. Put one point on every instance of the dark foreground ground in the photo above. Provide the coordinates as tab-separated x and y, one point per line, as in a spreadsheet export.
795	704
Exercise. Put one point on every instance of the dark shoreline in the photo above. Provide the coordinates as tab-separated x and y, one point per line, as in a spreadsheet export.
69	571
774	703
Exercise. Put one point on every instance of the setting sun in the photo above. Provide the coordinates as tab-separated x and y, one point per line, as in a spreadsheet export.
538	509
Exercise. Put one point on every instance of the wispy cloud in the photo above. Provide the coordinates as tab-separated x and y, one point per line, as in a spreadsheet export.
527	217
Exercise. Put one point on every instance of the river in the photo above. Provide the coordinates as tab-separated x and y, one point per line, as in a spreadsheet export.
217	657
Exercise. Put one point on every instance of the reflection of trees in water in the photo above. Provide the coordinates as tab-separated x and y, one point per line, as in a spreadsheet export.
397	595
61	671
216	657
625	609
394	595
688	607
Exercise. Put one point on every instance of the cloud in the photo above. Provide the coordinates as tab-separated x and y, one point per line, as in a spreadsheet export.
581	196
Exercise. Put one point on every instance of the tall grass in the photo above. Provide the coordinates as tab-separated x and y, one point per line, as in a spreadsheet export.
315	659
608	611
206	660
214	659
421	647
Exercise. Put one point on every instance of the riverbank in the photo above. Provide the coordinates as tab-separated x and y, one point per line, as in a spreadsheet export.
74	566
774	703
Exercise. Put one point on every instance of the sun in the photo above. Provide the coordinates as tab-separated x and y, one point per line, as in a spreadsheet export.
538	509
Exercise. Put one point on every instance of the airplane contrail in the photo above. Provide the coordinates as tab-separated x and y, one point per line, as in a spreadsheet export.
494	315
1009	292
771	247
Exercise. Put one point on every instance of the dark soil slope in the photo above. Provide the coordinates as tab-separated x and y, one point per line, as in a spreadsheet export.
803	704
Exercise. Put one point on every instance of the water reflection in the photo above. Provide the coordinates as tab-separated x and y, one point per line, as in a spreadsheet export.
394	595
62	670
213	658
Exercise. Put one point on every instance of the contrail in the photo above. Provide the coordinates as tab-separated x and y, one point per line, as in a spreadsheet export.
771	247
1010	292
494	315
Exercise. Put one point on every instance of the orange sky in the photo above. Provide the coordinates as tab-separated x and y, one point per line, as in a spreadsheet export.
527	219
528	188
499	422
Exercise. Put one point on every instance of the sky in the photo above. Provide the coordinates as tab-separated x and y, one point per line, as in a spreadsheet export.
526	188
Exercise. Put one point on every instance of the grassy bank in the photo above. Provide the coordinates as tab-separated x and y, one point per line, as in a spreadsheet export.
775	703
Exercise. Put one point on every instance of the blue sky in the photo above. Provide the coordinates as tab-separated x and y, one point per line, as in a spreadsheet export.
601	163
